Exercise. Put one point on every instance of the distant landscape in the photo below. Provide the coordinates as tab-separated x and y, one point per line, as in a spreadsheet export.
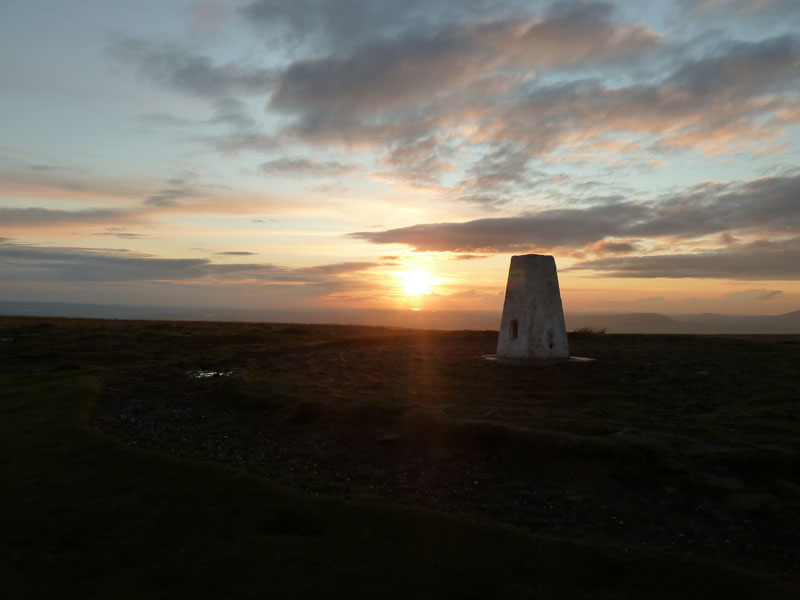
706	323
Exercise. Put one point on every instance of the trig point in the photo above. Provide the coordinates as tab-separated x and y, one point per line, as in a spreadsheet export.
533	326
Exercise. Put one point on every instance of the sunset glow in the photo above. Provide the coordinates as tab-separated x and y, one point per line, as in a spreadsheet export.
318	155
416	282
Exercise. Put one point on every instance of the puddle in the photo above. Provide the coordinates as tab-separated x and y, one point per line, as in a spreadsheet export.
204	374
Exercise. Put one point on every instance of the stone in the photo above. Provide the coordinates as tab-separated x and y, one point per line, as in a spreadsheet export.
532	327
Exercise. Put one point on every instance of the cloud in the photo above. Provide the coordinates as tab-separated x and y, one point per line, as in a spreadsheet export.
345	23
609	247
26	262
532	86
22	262
173	66
124	235
768	205
742	69
303	167
226	111
759	295
544	229
208	16
399	72
169	197
236	253
417	162
236	142
760	261
728	101
340	268
467	295
469	256
750	8
651	300
47	217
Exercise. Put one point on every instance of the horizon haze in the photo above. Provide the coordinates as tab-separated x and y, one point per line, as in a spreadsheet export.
705	323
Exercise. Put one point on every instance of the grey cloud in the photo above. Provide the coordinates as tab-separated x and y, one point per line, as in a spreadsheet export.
169	197
304	167
498	177
176	67
340	268
162	119
344	23
608	247
226	111
768	295
758	261
768	205
230	111
24	262
742	69
36	216
401	92
35	263
724	93
415	67
760	295
545	229
467	295
165	199
236	253
398	91
418	162
783	9
119	234
234	143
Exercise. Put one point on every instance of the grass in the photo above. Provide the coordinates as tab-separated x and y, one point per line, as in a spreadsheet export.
83	515
589	331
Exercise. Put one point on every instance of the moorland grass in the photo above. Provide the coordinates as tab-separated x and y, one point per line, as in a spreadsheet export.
82	515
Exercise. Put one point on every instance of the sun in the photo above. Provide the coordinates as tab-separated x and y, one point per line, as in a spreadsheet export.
416	282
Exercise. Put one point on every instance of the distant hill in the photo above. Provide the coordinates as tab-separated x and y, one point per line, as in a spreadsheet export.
708	323
705	323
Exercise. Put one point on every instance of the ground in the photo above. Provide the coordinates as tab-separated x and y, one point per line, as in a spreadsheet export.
681	447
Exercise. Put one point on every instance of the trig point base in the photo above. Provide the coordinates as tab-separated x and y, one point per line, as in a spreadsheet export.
532	327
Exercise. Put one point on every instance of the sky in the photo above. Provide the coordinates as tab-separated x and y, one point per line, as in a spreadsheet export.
263	154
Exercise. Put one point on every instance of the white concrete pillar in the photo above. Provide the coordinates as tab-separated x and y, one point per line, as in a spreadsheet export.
533	326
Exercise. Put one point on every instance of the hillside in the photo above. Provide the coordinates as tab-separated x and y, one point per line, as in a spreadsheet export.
668	467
